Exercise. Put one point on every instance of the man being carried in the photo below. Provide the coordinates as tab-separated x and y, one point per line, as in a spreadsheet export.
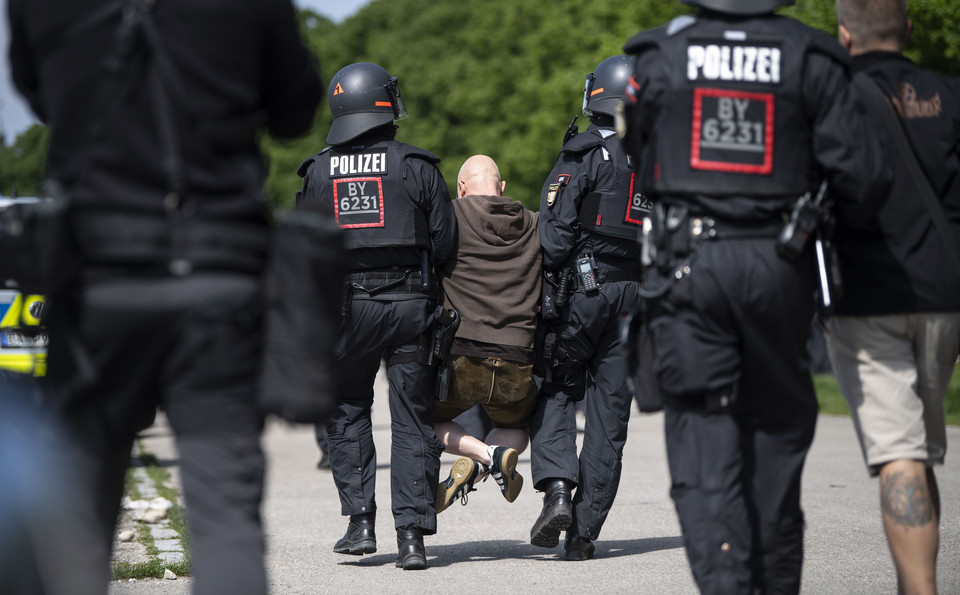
494	284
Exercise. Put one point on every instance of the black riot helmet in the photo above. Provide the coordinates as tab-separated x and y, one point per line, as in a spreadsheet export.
741	7
362	96
604	88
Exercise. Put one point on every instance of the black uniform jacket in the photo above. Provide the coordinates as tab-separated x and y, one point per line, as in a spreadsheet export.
896	262
422	183
578	172
809	99
234	76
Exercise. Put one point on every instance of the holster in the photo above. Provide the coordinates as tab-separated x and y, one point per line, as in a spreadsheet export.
636	340
304	291
444	332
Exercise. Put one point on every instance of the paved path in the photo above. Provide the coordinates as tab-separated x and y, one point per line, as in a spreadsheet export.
483	547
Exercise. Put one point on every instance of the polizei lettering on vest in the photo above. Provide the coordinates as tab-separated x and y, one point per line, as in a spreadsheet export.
719	62
361	163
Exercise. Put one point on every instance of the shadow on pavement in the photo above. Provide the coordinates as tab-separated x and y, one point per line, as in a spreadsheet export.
441	556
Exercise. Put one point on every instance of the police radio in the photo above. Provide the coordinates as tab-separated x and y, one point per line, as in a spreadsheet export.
586	268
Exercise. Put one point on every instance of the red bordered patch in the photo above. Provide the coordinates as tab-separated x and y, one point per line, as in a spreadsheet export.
638	205
358	202
732	131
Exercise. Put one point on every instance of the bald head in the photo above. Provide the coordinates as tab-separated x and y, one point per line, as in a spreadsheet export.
479	175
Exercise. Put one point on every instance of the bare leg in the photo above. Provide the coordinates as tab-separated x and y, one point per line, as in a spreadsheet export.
509	437
458	442
910	519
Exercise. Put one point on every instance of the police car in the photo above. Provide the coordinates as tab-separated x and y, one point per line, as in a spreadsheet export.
23	338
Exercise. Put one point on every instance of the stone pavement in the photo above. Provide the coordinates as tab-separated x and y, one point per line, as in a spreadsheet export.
483	547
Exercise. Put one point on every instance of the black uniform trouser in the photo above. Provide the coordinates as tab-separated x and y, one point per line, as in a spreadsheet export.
376	330
589	331
738	326
119	348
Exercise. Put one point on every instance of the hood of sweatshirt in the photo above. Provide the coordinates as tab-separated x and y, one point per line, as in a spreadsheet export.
495	220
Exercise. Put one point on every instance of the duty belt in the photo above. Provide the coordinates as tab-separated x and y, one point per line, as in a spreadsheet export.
607	275
378	283
182	245
614	275
709	228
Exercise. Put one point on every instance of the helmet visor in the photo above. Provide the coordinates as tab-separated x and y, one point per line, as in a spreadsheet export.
393	90
587	91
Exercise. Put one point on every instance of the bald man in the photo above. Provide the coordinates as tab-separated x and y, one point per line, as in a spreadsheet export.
494	284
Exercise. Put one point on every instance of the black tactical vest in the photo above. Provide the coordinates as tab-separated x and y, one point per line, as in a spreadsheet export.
363	190
616	207
732	119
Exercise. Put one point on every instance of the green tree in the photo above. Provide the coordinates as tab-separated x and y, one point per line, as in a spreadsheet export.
498	77
23	164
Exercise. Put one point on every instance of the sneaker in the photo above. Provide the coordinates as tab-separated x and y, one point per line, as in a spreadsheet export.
463	474
504	470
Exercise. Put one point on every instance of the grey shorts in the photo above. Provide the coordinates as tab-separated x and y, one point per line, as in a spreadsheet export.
505	389
893	371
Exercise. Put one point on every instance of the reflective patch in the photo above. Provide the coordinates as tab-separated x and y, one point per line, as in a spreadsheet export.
17	309
639	206
726	60
358	164
358	202
23	342
732	131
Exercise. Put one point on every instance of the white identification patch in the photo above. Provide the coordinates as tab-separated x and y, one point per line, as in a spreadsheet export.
724	61
358	164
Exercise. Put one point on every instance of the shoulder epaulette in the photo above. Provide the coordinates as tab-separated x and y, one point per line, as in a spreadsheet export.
305	165
583	142
412	151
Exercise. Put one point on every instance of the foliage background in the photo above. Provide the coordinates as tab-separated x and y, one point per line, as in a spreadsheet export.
498	77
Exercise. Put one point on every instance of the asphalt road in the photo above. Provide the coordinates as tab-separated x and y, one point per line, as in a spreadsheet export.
483	547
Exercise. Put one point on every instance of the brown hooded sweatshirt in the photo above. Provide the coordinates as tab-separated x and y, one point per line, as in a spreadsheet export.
494	279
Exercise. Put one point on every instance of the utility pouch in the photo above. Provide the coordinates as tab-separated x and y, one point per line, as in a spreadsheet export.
636	340
37	248
545	342
670	236
549	310
304	294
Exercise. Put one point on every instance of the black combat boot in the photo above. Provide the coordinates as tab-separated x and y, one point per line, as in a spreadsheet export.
361	536
576	547
556	515
411	554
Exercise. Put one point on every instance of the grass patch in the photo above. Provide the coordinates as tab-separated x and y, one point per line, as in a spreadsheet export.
155	568
833	403
178	521
151	569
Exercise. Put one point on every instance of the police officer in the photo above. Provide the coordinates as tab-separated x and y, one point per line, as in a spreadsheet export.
154	110
735	113
395	209
590	216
